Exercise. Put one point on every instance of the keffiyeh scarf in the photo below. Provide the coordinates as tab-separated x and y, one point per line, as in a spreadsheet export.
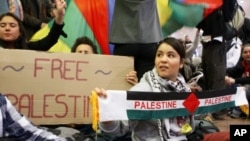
159	84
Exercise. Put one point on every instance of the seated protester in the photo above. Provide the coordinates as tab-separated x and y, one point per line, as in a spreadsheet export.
164	77
240	75
86	46
12	34
14	126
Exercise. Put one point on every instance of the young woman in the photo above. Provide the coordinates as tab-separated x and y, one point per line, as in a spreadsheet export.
240	75
12	34
164	77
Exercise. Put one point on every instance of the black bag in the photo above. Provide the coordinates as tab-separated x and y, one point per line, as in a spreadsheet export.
101	137
230	32
233	15
202	127
92	137
206	126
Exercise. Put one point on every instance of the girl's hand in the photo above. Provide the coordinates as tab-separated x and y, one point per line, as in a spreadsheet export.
59	11
131	78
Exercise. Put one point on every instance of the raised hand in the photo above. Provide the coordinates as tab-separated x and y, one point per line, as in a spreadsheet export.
59	11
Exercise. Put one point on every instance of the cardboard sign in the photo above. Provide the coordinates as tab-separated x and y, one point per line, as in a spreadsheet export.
54	88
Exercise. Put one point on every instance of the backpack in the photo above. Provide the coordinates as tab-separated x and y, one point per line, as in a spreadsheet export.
234	16
206	126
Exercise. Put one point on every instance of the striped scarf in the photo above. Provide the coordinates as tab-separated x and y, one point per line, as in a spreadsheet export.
159	84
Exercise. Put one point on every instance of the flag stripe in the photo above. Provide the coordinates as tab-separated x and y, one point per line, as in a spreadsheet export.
173	104
76	26
156	96
136	114
215	93
98	21
212	108
131	95
153	114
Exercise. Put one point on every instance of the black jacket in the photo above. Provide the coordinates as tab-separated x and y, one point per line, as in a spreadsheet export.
47	42
236	72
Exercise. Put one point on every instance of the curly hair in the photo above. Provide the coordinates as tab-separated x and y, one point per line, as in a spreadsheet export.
84	40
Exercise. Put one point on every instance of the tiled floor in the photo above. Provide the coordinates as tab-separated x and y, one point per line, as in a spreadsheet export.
224	125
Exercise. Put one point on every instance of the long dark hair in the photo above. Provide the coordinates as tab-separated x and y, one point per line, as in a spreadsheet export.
21	42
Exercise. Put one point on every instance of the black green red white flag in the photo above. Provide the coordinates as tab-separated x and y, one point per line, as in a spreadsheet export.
125	105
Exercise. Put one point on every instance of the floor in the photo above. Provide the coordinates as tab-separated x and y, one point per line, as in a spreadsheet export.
224	125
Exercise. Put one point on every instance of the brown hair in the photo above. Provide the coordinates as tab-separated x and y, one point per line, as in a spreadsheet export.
21	42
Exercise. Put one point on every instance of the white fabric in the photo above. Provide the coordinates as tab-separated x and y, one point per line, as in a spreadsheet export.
233	54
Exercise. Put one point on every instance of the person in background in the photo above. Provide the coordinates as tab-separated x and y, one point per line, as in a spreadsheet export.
135	31
12	33
240	75
244	31
15	126
213	40
187	41
12	6
86	46
164	77
37	13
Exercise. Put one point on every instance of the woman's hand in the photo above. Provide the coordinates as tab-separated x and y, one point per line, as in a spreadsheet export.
131	78
101	92
59	11
196	88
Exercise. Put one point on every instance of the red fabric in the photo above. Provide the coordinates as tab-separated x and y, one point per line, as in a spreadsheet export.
246	69
191	103
222	136
211	5
96	14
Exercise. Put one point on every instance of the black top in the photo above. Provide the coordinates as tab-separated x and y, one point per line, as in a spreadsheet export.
236	72
47	42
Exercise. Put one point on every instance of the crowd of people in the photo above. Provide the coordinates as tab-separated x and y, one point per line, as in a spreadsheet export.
162	64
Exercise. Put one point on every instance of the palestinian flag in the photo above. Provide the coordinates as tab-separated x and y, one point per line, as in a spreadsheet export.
82	18
174	14
125	105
